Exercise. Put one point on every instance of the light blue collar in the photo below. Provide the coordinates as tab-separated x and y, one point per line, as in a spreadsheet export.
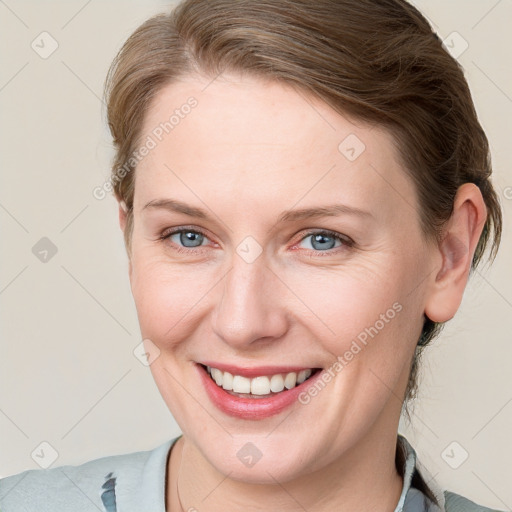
412	500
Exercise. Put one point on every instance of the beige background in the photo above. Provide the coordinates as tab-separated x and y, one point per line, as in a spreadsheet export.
68	374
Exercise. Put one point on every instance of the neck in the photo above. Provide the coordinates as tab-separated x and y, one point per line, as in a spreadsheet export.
363	478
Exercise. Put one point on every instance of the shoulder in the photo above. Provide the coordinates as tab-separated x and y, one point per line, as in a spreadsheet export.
88	486
456	503
418	495
417	501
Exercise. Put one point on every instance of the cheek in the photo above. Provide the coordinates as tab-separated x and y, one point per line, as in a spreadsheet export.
165	296
344	301
366	319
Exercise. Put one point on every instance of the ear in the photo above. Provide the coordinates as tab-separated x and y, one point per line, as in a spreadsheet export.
123	210
123	213
455	254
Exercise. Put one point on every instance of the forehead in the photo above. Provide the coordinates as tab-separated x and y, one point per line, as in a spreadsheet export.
264	141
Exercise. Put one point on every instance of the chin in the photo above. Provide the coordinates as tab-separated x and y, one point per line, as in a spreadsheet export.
245	462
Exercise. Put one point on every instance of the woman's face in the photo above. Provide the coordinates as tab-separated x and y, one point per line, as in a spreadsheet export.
300	248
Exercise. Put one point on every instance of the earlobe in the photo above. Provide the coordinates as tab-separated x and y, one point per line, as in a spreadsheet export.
122	215
457	247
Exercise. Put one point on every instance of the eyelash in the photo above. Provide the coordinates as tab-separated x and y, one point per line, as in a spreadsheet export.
347	242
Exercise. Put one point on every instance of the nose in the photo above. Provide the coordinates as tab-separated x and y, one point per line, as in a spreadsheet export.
251	306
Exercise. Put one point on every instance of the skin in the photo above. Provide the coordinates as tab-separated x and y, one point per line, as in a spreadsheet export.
249	151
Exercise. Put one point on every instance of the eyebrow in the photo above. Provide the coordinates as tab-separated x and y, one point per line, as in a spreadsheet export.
287	216
176	206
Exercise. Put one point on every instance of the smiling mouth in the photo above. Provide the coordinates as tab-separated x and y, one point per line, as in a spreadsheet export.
263	386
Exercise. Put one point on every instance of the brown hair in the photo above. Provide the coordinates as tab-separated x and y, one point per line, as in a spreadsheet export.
376	60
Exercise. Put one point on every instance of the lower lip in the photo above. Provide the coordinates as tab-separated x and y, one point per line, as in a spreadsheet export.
252	408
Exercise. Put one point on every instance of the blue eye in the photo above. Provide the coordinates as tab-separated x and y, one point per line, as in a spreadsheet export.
325	241
187	238
322	241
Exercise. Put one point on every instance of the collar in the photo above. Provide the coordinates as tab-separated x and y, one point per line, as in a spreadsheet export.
409	494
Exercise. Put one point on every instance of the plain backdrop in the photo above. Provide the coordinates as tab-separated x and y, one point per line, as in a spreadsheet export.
68	374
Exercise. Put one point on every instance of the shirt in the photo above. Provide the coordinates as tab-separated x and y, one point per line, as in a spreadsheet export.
135	482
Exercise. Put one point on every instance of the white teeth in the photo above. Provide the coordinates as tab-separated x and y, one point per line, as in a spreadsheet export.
217	376
240	384
303	375
276	383
258	385
227	381
290	380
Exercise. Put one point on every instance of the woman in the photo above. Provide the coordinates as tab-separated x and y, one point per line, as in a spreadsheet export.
303	188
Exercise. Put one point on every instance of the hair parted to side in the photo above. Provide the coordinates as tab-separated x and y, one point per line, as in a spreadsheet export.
375	60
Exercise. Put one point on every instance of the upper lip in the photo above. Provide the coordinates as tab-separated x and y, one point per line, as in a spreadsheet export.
255	371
